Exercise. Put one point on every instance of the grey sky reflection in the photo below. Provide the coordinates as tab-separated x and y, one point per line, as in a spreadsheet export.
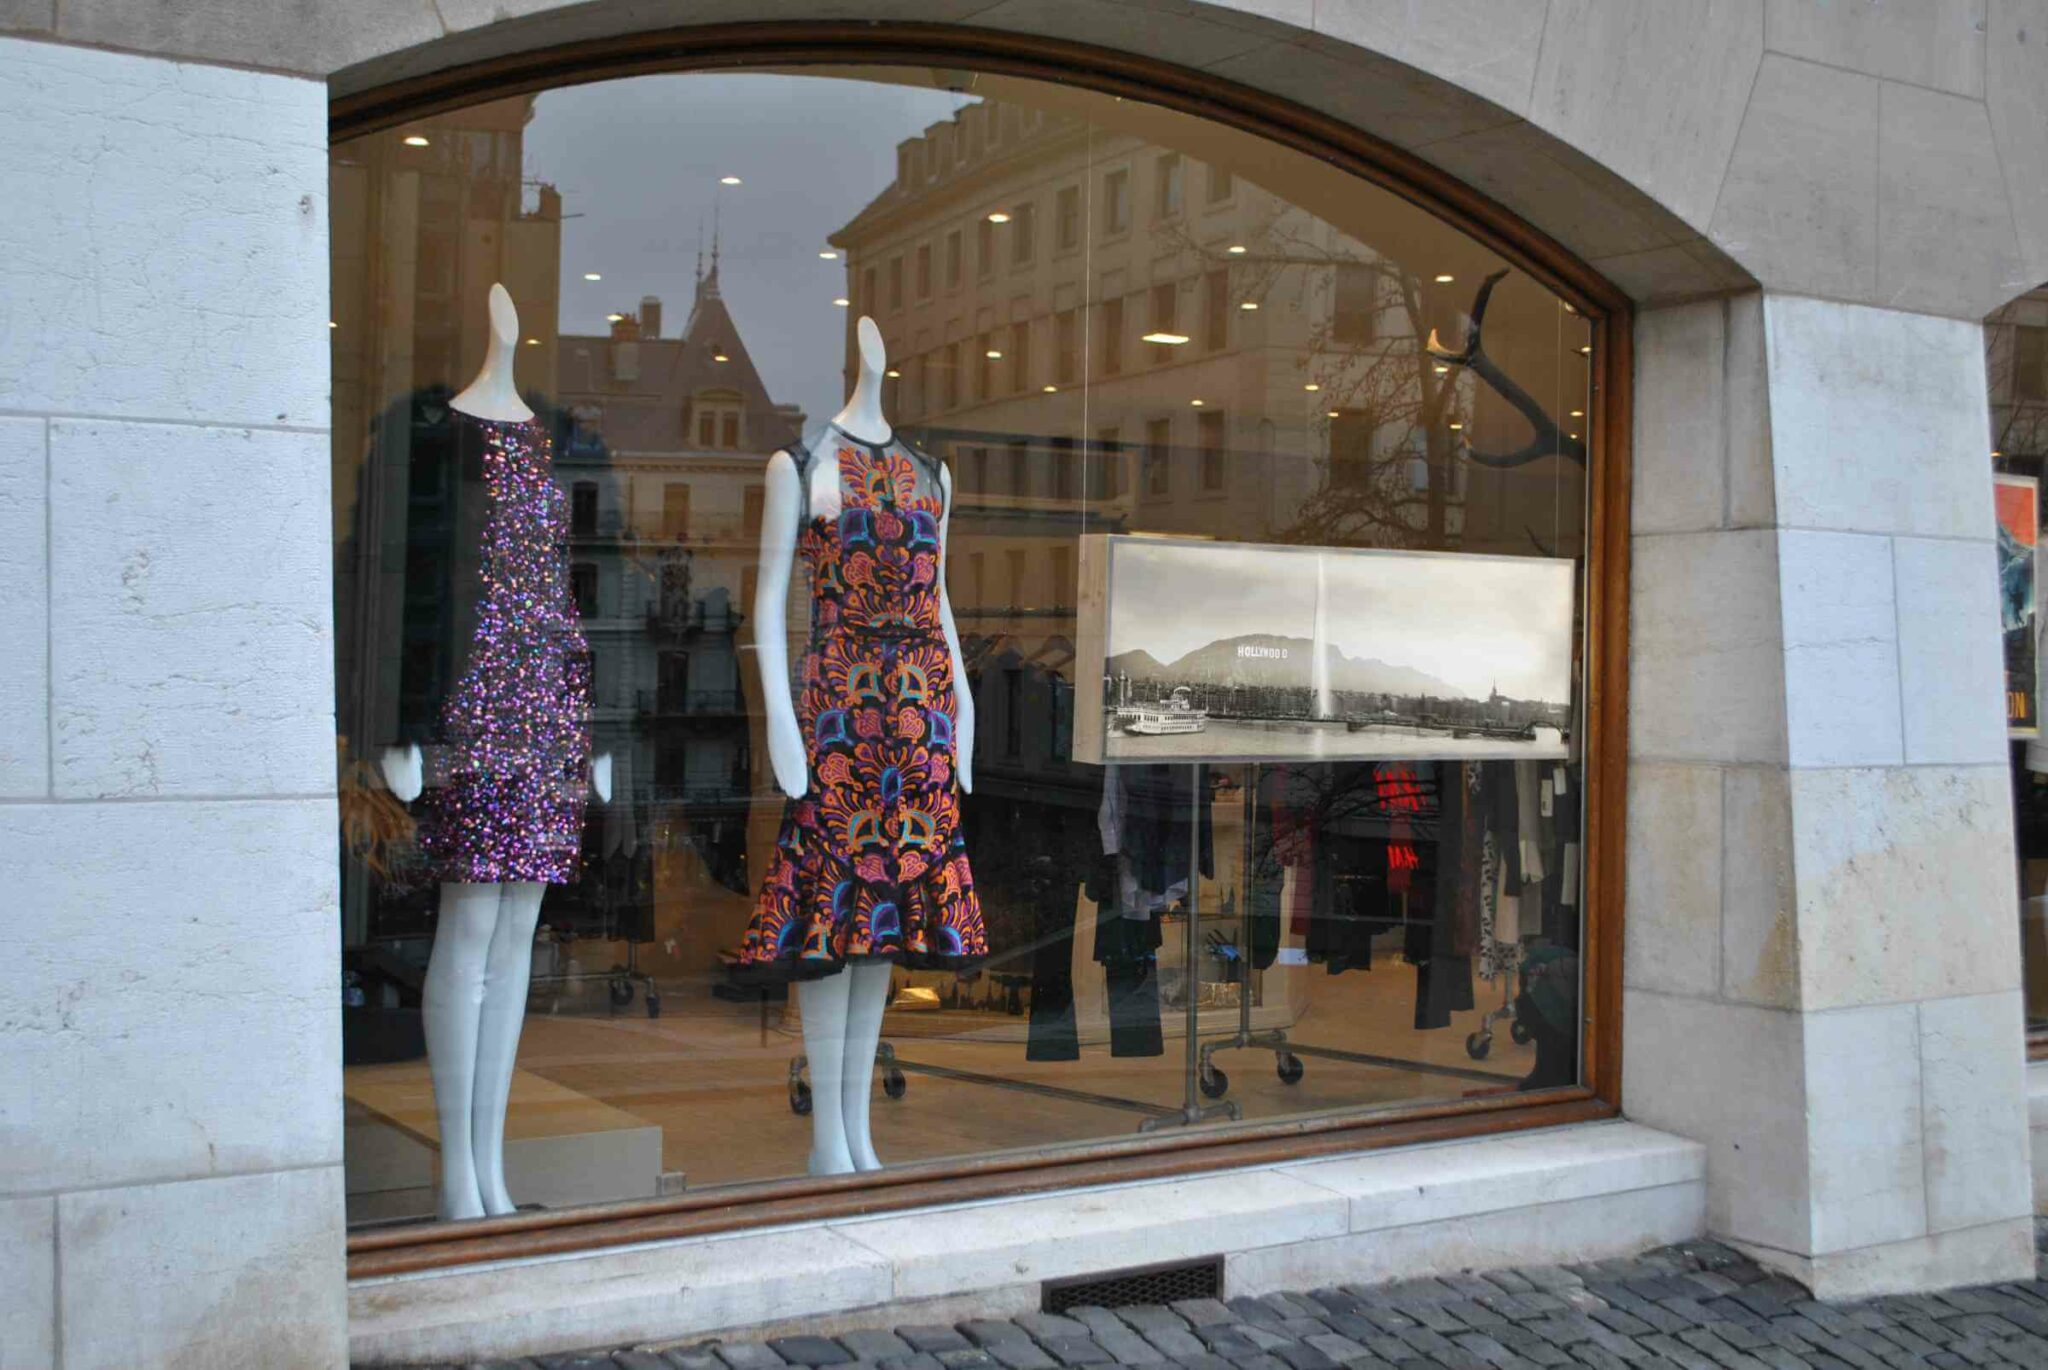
639	162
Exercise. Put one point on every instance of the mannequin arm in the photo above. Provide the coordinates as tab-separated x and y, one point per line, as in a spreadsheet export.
601	777
402	772
963	696
779	515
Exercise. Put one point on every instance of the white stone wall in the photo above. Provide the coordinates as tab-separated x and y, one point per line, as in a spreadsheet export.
170	1120
1822	974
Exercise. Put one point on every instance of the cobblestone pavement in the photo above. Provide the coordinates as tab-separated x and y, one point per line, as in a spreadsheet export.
1699	1306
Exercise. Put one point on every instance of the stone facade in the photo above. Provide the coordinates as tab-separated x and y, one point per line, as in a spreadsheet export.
1813	205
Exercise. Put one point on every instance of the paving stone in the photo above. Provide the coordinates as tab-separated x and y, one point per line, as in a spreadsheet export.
982	1331
1021	1355
1083	1350
1202	1360
874	1344
1265	1338
1261	1361
1299	1355
1203	1312
1551	1277
1302	1305
1127	1346
1178	1343
933	1338
580	1360
751	1355
1043	1325
639	1360
1152	1317
1338	1348
1338	1301
965	1360
812	1351
697	1358
1228	1342
920	1360
1251	1310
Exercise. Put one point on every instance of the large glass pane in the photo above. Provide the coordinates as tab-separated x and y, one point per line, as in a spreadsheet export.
1270	613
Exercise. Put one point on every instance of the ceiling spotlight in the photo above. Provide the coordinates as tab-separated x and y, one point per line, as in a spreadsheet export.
1196	403
728	180
1586	351
829	255
533	342
842	301
1578	413
415	140
1249	304
1996	453
332	324
1237	249
1166	339
720	357
1575	435
1445	279
592	276
1311	387
1333	414
1052	390
993	354
614	318
893	374
1455	427
998	217
1569	309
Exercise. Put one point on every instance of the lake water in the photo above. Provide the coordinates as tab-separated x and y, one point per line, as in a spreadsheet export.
1239	739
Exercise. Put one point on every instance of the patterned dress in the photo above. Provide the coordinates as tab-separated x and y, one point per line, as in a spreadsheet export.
506	782
870	862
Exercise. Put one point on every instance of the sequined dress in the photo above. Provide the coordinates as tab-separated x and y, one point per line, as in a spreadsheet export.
506	784
870	863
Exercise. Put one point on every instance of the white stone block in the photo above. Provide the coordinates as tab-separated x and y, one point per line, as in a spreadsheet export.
1973	1077
1880	419
1706	664
1951	652
1100	1229
171	261
1938	43
191	610
1906	884
1798	205
1186	39
1941	200
1760	944
1610	84
176	1011
1681	435
1383	97
1609	1225
1752	496
24	605
245	1270
1674	878
606	1297
2016	95
1867	1166
1841	650
2037	1123
1727	1076
1410	1185
28	1296
1993	1254
1487	46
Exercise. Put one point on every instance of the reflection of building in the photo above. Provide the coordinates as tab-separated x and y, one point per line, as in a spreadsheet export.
663	469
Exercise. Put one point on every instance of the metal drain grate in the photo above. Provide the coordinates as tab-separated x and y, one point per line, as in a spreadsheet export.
1201	1279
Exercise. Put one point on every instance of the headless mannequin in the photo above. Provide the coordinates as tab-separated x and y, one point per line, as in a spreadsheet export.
474	1000
842	1013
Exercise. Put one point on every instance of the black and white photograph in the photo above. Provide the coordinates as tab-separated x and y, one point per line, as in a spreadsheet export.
1236	652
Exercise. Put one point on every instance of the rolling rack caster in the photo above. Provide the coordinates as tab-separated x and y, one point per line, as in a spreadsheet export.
895	1083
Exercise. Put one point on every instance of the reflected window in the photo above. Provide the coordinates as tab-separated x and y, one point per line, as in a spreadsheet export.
1355	315
1113	337
1218	184
583	508
1023	234
1116	203
1210	430
953	260
1068	215
675	510
1158	475
1166	185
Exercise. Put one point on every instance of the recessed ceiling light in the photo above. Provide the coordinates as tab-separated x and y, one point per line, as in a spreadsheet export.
1249	304
1311	387
720	357
1445	278
1578	413
842	302
415	140
1569	309
728	180
592	276
1052	390
533	342
1442	370
993	354
1196	403
829	255
1237	249
998	217
1166	339
1996	453
1586	351
1575	435
1456	426
332	324
893	373
614	318
1333	414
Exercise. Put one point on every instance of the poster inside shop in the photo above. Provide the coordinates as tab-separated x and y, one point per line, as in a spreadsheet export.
1193	650
2019	523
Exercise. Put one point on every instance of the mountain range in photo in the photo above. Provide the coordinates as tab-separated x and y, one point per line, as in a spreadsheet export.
1268	660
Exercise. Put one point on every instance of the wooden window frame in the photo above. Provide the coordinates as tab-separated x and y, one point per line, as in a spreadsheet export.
394	1250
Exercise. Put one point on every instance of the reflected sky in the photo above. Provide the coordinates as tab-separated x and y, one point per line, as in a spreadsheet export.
639	161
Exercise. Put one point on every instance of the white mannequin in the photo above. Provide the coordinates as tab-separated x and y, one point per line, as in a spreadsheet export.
474	1001
842	1013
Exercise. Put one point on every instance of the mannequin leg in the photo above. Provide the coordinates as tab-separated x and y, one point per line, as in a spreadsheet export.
866	996
823	1004
451	1003
506	976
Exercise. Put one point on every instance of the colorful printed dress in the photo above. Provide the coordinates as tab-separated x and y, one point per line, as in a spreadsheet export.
507	779
870	862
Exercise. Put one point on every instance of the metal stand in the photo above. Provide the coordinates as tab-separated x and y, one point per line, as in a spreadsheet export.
1191	1109
620	978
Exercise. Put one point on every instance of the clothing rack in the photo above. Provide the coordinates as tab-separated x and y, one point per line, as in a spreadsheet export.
1287	1053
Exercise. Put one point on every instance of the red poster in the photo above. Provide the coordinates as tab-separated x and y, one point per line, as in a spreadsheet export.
2019	523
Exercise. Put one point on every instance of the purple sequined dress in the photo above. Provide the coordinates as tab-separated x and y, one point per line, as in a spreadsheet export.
506	786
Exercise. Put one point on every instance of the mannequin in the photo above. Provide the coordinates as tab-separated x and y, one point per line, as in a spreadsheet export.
842	1012
474	999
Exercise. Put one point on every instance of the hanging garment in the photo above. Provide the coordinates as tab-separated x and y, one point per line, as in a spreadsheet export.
507	773
1502	870
1156	832
871	863
1442	948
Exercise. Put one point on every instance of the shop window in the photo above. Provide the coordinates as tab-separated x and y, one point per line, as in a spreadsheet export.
1176	520
2030	362
1116	203
1166	186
